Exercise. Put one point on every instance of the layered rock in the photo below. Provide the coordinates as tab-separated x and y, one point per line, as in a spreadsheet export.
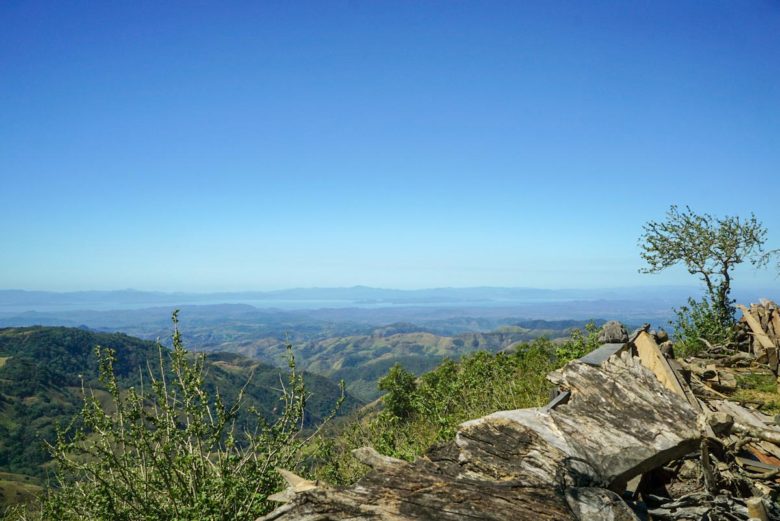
560	463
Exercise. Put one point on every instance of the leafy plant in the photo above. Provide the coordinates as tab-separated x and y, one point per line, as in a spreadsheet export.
400	386
579	344
696	321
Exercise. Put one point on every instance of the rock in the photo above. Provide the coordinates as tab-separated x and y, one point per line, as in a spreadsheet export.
667	349
720	422
613	332
701	505
370	457
726	383
498	470
528	464
622	419
597	503
661	336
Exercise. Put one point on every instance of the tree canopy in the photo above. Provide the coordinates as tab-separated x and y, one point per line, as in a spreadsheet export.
707	246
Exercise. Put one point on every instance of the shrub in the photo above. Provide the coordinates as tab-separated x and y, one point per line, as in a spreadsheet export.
699	319
579	344
400	386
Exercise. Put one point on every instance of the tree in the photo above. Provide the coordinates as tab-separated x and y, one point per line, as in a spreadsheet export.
400	386
709	247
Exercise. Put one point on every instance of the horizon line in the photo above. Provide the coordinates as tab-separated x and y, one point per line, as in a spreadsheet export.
360	286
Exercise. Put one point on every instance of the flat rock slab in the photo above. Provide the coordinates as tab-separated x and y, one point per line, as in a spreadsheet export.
601	354
622	419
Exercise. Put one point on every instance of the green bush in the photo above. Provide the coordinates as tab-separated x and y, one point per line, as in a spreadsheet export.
400	386
579	344
169	450
696	321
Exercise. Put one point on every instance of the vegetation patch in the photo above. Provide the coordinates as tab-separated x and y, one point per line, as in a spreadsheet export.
46	369
17	488
759	390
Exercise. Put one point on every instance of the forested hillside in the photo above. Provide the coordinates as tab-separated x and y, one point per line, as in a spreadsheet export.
43	369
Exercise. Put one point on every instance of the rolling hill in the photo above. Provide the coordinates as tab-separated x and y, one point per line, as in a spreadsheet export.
361	360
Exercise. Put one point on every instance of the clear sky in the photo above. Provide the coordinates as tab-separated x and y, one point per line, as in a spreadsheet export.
260	145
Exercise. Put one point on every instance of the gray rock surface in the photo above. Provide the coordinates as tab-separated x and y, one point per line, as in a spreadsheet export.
613	332
661	336
527	464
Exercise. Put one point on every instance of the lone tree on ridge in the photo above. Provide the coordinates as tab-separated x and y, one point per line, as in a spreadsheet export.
708	246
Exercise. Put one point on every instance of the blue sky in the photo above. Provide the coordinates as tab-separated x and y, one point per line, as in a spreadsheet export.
259	145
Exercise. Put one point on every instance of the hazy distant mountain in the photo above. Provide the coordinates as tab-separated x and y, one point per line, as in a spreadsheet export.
19	300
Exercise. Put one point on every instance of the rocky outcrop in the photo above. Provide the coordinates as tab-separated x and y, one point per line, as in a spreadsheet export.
562	462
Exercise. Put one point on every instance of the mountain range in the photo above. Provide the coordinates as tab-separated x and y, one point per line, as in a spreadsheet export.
311	298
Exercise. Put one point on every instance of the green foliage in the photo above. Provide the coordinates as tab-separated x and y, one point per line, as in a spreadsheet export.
362	379
400	386
170	450
759	390
707	246
762	382
579	344
432	407
40	386
696	321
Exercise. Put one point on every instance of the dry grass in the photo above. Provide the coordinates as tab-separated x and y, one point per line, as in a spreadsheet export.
759	390
17	488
